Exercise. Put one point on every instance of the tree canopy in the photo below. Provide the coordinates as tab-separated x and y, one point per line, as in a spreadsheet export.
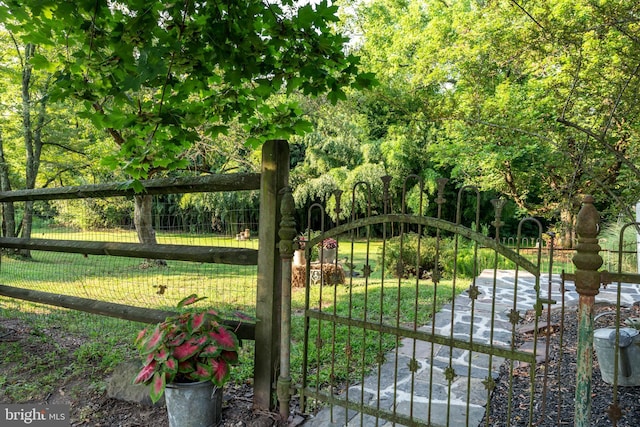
536	101
152	73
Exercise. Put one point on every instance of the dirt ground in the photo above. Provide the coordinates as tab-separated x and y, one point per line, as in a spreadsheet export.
90	405
86	393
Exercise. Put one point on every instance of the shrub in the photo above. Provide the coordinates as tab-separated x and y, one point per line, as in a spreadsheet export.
402	259
468	263
463	259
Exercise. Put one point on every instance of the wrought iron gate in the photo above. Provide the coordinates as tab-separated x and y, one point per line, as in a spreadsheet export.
609	315
425	320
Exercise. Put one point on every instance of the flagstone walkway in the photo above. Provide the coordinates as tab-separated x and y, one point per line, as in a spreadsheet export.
426	393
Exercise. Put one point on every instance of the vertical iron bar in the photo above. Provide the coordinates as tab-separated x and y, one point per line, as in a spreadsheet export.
613	414
319	341
498	205
473	289
363	372
536	319
587	261
399	274
413	364
514	319
550	272
386	181
547	348
561	339
338	210
366	280
307	307
451	371
442	182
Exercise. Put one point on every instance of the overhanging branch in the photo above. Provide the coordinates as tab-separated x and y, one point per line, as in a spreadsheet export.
601	140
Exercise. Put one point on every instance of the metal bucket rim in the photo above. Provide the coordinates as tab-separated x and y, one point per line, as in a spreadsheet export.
603	333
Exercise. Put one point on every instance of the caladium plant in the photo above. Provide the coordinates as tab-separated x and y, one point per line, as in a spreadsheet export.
189	347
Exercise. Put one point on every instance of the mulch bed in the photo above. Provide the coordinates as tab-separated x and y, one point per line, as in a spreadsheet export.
554	396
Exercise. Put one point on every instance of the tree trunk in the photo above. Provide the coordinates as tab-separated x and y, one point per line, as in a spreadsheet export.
143	221
567	220
27	225
8	211
32	160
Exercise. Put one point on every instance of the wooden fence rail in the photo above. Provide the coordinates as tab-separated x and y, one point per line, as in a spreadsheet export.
137	314
273	177
209	254
200	184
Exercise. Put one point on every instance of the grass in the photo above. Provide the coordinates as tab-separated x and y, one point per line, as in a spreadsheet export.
29	371
105	342
118	279
345	351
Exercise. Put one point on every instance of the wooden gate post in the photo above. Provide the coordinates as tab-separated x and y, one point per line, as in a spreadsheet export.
275	176
287	235
587	261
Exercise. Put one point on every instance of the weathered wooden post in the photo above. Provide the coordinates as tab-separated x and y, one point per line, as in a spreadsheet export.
275	176
287	233
587	261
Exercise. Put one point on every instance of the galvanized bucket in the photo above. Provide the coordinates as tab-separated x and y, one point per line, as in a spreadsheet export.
604	341
194	404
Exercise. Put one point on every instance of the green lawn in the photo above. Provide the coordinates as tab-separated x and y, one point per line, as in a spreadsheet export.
132	281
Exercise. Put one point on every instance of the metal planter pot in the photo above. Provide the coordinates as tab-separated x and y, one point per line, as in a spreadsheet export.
327	256
604	341
194	404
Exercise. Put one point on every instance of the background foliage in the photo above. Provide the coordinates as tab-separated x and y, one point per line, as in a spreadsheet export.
533	101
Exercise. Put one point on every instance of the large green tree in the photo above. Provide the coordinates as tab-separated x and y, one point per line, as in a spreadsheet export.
596	51
41	142
532	99
152	73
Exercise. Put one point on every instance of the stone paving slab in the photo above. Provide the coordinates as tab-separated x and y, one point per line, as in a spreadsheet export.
426	393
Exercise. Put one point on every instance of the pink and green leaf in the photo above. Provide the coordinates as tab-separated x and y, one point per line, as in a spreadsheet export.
161	354
210	350
140	337
220	372
183	319
171	329
171	366
177	340
196	322
146	373
186	366
154	341
230	356
224	338
191	299
189	348
202	372
157	386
